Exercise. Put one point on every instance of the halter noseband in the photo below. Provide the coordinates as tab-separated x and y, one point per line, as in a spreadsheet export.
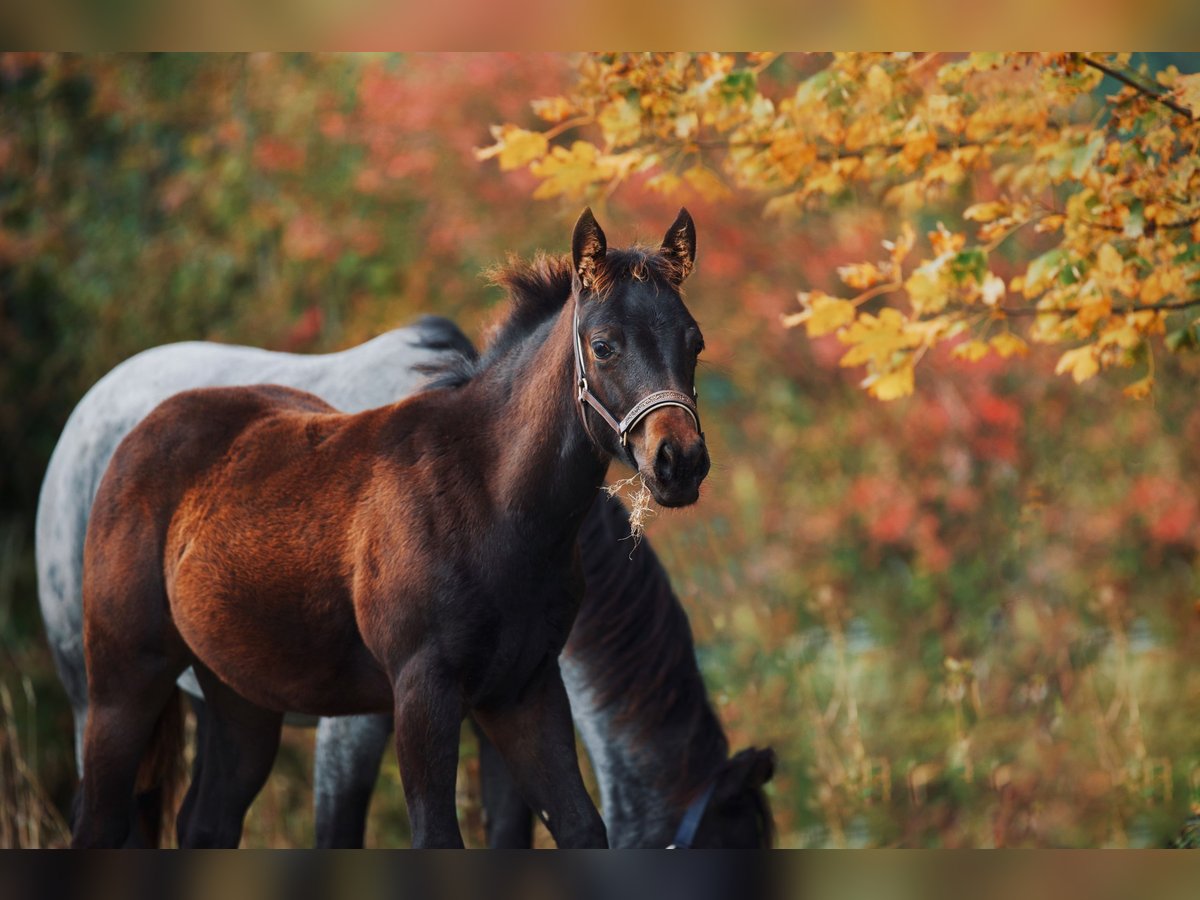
639	411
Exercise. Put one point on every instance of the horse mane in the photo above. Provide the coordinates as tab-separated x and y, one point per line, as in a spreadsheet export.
633	638
762	807
537	289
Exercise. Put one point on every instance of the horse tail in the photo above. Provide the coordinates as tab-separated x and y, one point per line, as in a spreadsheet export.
160	775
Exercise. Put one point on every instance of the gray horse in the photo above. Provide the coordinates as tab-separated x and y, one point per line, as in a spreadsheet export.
349	749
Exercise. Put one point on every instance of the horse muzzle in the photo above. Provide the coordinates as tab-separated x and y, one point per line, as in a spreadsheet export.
674	460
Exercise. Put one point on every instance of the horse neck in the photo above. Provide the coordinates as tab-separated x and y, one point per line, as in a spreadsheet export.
646	779
653	737
544	464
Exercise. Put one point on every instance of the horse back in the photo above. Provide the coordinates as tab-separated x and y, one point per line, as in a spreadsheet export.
172	450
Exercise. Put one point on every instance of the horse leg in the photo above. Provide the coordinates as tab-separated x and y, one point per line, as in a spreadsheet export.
119	731
240	743
429	713
536	738
349	750
506	817
203	751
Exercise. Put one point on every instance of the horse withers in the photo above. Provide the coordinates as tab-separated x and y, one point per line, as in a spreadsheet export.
420	557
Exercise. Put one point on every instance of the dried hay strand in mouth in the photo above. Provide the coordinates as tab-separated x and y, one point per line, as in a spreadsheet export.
640	504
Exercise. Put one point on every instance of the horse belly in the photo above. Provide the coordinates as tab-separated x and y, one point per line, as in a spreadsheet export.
283	648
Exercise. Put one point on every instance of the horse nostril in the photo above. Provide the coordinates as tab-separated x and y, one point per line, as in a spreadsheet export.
664	463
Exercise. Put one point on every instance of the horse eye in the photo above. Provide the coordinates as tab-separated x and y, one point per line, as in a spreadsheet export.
602	349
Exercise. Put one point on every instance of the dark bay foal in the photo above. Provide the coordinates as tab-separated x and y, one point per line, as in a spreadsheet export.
420	558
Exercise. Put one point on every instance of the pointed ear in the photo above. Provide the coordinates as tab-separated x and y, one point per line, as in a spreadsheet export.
588	247
749	768
679	245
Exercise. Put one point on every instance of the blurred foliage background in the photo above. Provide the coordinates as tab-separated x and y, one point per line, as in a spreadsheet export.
965	618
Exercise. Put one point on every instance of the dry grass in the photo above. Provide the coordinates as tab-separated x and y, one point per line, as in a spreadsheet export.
28	818
639	502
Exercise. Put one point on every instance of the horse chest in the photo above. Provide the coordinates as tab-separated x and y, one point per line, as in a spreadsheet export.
504	625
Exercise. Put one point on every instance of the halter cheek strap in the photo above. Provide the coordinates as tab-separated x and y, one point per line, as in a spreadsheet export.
640	410
690	823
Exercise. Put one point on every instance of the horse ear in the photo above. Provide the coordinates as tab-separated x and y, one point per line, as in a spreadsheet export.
749	768
588	247
679	245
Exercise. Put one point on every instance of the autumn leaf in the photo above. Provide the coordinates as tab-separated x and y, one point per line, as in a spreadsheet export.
514	147
552	109
985	212
704	181
824	314
876	338
621	122
1080	362
992	289
972	351
1110	197
665	183
1139	389
1042	271
891	385
860	276
1109	263
1188	91
569	172
925	288
1007	344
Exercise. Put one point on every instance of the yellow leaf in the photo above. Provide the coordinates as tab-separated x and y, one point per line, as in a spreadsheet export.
1140	388
783	205
665	183
1188	91
971	351
516	147
1008	344
902	246
551	109
568	172
1110	263
828	314
794	320
1153	288
876	339
621	122
925	289
704	181
879	85
944	241
892	385
1092	309
1080	362
985	212
860	276
1121	332
992	289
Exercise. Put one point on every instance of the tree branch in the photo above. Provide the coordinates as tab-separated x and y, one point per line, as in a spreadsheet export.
1137	86
831	155
1150	227
1116	310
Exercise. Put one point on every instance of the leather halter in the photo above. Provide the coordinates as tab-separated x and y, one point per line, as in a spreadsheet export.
639	410
690	824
